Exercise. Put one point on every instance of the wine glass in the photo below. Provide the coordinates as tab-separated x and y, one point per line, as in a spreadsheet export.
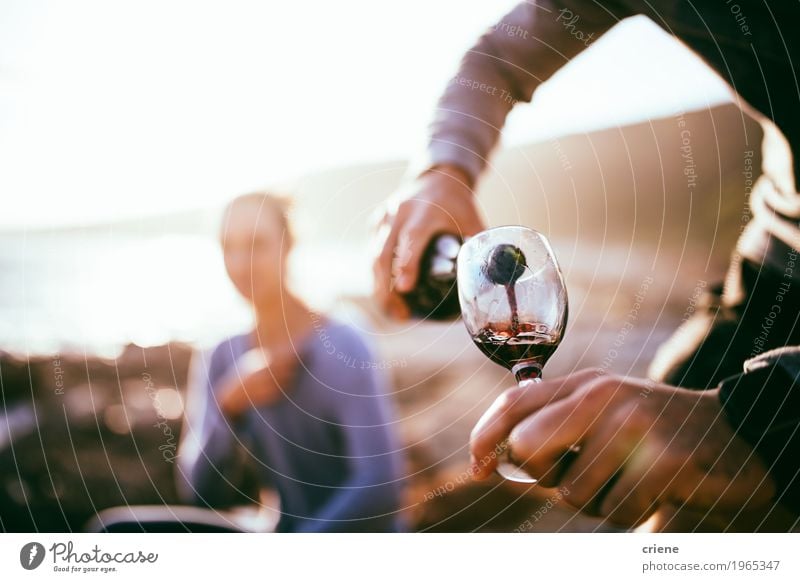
514	304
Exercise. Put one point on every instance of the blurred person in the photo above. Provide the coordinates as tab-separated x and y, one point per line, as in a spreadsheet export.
295	398
734	445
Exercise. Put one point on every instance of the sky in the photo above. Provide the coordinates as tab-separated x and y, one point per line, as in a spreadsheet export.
117	109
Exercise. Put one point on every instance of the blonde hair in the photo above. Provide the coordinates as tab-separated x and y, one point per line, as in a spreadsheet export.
279	204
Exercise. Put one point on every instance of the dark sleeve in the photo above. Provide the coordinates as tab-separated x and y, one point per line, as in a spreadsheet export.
210	467
763	405
504	67
757	310
361	410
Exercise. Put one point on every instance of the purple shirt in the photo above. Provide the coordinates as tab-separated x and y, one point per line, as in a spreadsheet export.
327	446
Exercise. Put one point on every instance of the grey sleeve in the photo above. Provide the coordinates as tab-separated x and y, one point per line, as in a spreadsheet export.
209	468
504	67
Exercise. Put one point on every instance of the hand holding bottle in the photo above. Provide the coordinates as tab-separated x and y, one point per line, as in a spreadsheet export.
439	201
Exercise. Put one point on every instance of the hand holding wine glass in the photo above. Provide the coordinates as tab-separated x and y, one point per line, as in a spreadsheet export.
514	305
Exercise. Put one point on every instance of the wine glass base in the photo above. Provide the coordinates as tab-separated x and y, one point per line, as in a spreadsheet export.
512	472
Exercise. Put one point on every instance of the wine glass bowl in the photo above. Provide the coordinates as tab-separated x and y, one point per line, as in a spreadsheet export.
512	296
513	303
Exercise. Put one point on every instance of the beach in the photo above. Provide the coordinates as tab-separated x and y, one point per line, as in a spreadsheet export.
99	323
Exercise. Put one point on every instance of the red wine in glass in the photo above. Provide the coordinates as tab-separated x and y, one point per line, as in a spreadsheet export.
526	349
514	305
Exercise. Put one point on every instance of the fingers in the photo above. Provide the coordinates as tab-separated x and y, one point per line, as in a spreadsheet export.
634	497
605	458
439	201
396	267
386	237
426	220
513	406
410	248
537	442
544	437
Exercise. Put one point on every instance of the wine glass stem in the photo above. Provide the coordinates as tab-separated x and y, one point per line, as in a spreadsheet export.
531	371
507	467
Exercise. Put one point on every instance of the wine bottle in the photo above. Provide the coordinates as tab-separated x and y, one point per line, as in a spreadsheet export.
435	295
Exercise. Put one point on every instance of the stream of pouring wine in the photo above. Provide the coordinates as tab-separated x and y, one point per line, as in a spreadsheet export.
511	292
